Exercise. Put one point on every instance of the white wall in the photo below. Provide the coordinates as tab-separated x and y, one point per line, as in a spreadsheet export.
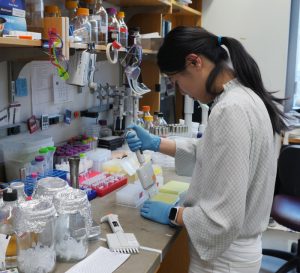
261	26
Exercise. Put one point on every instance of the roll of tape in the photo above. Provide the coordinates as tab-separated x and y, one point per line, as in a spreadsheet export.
109	48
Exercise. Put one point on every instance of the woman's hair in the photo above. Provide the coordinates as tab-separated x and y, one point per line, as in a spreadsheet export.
182	41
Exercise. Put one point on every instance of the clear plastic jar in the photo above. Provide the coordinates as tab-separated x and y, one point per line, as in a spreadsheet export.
82	27
161	120
34	14
52	11
7	234
51	151
44	152
90	4
34	226
123	29
102	19
72	225
113	26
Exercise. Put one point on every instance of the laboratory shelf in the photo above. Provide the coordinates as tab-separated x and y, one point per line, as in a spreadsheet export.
140	3
180	9
14	42
102	48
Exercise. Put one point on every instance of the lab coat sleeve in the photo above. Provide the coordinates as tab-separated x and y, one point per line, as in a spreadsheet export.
218	216
185	156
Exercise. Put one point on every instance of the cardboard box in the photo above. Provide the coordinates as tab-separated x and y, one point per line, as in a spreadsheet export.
13	8
13	23
152	43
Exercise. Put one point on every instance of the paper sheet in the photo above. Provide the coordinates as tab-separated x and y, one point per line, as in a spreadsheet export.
100	261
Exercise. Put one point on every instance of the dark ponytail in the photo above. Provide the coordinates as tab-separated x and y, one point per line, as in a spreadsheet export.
182	41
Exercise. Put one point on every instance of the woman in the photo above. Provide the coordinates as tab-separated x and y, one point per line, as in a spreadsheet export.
234	165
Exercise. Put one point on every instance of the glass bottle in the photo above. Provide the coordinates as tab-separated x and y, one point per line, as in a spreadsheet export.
34	226
72	225
102	18
155	119
82	26
34	14
52	11
123	29
7	234
113	26
90	4
72	7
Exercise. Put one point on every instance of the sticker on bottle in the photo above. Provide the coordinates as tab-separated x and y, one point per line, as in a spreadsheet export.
4	241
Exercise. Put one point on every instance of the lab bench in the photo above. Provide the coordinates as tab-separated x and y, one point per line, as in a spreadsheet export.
168	244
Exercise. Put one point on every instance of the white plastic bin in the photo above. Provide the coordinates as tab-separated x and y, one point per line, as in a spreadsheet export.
17	151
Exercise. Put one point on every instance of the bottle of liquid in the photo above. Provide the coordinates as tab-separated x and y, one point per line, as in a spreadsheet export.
90	4
82	26
34	14
146	110
123	29
102	19
45	154
113	26
7	234
39	165
105	131
20	187
52	11
72	7
140	120
155	119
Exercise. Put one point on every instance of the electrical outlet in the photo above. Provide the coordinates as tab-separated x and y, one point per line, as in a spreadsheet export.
290	243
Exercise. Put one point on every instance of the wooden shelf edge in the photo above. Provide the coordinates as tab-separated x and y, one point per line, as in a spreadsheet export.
14	42
183	10
102	48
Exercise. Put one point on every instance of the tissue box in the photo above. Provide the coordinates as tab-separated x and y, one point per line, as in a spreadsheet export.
152	43
13	23
13	7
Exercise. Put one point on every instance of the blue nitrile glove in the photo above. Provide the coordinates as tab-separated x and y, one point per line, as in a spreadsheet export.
156	211
139	138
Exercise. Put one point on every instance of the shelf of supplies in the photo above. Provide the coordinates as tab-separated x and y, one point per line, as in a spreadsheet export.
140	3
14	42
180	9
102	48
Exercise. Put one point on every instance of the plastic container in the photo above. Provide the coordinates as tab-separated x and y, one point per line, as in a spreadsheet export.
7	210
99	156
123	29
34	14
52	11
40	165
82	28
132	195
102	19
161	120
72	225
18	151
44	152
51	151
90	4
140	120
20	187
146	110
113	26
35	222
